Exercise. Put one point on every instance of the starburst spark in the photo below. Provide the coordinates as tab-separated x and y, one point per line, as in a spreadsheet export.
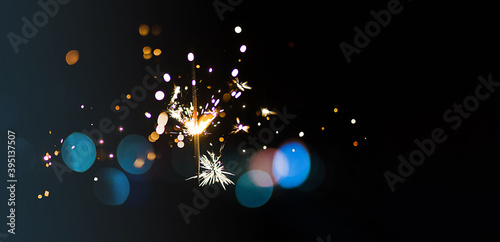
241	85
213	171
266	112
240	127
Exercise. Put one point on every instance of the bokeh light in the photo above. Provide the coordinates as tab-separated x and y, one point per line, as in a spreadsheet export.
263	161
291	164
143	29
72	57
159	95
237	29
157	52
166	77
243	48
156	30
146	50
190	57
111	186
78	152
250	195
162	119
131	148
234	73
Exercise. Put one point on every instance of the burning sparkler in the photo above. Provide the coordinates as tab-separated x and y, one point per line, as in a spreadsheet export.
213	171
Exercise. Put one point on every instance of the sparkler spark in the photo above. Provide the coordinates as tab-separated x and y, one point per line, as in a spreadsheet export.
241	85
213	171
266	112
240	127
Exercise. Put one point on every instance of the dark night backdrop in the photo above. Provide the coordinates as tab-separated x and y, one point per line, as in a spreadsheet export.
397	88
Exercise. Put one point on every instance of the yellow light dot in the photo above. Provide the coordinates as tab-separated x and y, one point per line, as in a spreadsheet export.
155	136
157	52
147	56
39	196
355	143
138	163
50	132
72	57
221	139
239	60
117	107
46	164
46	193
222	115
129	96
56	153
226	97
197	66
146	50
322	128
176	140
151	156
335	110
156	30
144	29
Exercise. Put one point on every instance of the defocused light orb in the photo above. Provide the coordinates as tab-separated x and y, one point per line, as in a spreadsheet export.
147	114
155	135
237	29
146	50
226	97
159	95
112	188
234	73
250	195
78	152
291	164
243	48
190	57
72	57
180	144
353	121
156	30
157	52
180	137
151	156
166	77
160	129
138	163
263	161
301	134
162	119
131	148
210	69
143	29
